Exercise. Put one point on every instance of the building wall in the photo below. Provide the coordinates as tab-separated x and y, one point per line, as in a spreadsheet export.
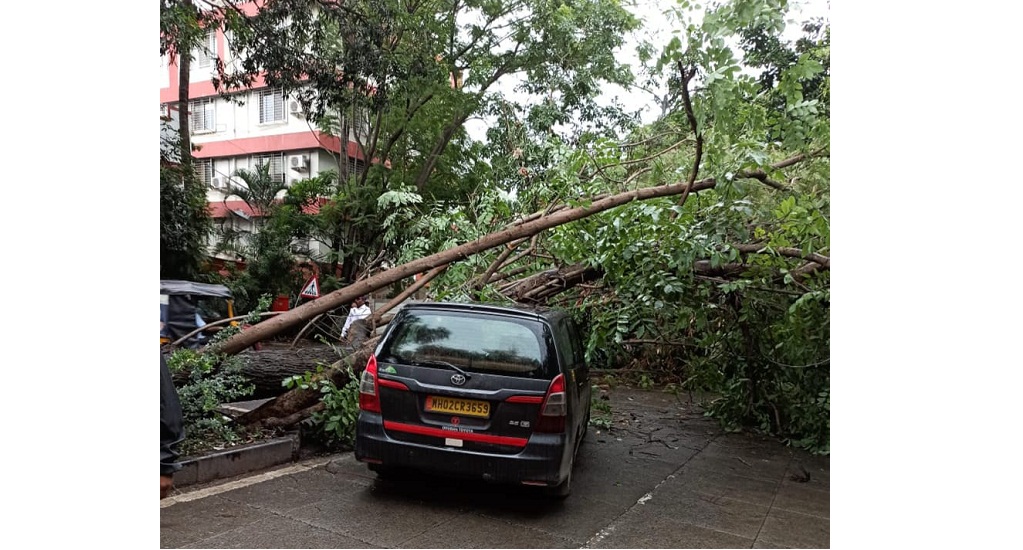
233	121
235	136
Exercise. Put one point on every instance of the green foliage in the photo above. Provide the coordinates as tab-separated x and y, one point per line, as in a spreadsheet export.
682	296
646	382
211	380
600	410
253	317
268	252
334	426
715	294
184	219
259	191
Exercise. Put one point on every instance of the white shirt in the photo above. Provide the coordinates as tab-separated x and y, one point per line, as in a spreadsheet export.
360	312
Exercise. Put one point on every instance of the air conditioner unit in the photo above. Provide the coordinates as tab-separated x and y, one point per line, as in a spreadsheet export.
217	183
295	107
299	162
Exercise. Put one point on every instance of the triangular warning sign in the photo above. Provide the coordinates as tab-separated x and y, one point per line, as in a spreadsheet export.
311	289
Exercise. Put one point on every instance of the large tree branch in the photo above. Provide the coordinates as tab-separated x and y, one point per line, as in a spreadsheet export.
412	289
691	116
820	259
499	263
506	235
342	296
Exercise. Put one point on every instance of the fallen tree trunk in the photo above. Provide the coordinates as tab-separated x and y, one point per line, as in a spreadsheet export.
339	297
298	400
267	368
293	418
335	299
540	286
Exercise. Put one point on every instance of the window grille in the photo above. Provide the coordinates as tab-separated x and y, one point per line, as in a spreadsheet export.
276	162
355	166
205	55
271	105
204	171
203	115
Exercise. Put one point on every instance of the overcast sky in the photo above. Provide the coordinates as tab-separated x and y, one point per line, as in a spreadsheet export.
657	29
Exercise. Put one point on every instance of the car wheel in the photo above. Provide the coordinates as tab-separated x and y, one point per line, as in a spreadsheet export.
382	472
563	489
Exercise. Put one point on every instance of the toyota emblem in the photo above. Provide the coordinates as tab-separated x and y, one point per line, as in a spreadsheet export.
457	379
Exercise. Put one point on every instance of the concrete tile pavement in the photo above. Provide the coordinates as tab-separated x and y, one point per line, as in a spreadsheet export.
662	477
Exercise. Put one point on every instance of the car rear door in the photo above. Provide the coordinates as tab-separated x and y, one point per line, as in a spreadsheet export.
574	365
464	380
581	370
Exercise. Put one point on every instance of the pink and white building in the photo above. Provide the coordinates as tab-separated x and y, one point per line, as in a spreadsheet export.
261	125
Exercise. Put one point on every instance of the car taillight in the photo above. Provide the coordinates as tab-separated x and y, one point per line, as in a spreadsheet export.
369	397
555	407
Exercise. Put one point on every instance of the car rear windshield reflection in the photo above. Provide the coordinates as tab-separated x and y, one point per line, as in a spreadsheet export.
469	342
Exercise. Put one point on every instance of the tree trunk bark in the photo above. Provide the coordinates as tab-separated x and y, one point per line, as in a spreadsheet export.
184	130
345	295
296	400
268	367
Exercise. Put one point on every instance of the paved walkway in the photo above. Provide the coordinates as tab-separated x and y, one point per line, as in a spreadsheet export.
662	477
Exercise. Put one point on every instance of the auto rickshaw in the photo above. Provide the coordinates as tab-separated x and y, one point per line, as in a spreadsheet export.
182	305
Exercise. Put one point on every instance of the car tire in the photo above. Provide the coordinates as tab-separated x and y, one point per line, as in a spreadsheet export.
563	489
382	472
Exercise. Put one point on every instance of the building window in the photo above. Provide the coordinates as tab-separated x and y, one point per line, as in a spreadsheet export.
276	162
205	54
362	121
271	105
355	166
204	171
203	113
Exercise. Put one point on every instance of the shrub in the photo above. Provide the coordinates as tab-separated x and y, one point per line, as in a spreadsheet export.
334	425
211	380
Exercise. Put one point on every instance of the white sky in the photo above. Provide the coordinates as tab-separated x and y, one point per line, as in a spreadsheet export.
657	27
657	30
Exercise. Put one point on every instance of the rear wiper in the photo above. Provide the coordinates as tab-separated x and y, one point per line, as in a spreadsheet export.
445	364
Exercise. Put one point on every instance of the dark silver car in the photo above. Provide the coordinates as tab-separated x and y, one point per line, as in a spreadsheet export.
473	390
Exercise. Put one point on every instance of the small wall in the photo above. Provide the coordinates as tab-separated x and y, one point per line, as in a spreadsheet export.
239	460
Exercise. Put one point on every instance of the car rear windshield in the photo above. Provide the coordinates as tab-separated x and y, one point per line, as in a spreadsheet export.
471	341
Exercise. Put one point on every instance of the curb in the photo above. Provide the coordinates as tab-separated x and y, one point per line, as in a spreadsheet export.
243	459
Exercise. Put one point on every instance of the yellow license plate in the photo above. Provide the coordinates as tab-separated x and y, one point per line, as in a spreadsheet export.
463	407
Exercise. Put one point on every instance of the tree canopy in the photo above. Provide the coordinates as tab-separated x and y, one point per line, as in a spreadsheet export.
694	249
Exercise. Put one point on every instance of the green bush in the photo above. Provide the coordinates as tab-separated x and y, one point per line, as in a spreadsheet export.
334	425
211	380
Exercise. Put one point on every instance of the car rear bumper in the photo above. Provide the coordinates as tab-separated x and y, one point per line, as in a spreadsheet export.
542	460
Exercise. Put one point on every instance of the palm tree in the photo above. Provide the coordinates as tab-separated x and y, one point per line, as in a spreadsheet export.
259	192
258	189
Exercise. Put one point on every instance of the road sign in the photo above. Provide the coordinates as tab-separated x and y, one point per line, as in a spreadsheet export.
311	289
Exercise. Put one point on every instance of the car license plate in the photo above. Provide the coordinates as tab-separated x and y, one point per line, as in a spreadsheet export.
463	407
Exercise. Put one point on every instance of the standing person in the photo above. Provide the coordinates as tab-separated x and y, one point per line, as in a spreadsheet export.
172	430
360	310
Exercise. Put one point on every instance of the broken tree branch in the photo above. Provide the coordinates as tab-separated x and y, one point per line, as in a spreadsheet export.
783	251
344	295
499	262
412	289
688	103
